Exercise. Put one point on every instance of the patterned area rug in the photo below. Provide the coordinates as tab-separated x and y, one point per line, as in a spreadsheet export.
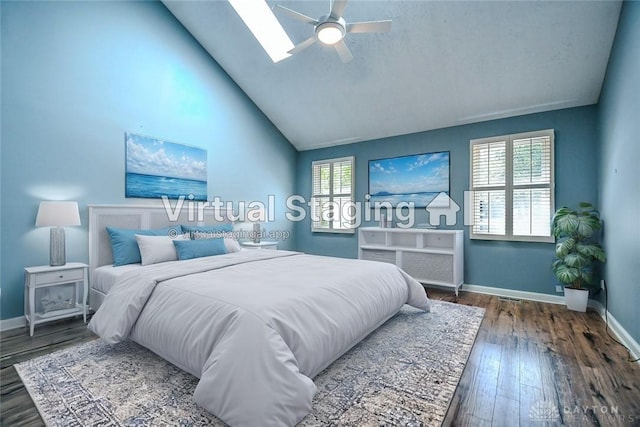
405	373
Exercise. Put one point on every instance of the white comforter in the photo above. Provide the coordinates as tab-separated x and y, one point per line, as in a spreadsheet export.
255	326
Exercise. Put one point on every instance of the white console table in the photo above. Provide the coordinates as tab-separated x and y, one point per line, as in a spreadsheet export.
430	256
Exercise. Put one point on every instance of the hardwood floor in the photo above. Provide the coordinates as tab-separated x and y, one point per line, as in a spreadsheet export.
532	364
541	364
16	407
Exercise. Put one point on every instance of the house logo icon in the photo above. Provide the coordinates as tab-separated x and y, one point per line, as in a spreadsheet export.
442	204
544	411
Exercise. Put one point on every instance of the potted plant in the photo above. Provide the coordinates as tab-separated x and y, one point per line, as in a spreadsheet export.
576	252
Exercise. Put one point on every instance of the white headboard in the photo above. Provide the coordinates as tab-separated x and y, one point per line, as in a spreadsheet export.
140	217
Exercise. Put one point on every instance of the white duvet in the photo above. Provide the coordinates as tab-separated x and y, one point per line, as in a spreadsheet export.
255	326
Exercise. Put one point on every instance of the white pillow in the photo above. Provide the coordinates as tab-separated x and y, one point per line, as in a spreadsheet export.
155	249
231	245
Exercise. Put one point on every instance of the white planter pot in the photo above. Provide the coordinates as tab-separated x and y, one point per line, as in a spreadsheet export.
576	299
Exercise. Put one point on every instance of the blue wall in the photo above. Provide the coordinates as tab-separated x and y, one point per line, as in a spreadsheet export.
511	265
75	77
619	173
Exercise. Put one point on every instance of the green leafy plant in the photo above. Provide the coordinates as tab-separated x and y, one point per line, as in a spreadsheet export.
576	249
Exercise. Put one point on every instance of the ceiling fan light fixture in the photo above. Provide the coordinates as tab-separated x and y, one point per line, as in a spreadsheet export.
331	29
330	33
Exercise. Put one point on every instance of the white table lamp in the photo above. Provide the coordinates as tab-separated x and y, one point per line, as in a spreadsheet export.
57	215
256	215
256	232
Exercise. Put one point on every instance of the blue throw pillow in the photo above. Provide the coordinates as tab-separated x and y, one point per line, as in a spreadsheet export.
125	247
188	249
208	231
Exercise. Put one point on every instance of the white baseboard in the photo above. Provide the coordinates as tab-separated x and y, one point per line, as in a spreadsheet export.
510	293
619	332
14	323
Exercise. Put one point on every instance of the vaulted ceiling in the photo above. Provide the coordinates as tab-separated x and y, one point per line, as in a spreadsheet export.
444	63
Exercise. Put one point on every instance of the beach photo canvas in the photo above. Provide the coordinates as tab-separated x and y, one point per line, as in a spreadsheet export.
157	168
416	179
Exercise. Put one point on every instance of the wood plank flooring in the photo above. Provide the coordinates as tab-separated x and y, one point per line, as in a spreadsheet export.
541	364
16	407
533	364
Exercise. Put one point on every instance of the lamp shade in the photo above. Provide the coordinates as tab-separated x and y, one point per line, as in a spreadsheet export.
57	214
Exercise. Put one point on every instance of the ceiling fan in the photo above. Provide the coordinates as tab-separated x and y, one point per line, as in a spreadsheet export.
331	29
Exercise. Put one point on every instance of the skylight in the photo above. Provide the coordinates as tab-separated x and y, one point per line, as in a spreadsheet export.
257	15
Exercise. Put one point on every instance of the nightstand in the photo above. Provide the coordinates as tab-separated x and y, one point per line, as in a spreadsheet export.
53	293
265	244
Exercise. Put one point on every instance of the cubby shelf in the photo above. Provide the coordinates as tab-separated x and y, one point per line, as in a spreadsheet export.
431	256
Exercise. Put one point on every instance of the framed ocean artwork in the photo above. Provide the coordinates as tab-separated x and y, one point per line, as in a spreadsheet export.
156	168
416	179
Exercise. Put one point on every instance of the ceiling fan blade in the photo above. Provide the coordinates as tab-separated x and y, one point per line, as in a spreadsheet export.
369	27
343	51
337	8
295	15
303	45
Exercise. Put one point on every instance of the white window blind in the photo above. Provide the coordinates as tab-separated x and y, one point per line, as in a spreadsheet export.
332	195
512	185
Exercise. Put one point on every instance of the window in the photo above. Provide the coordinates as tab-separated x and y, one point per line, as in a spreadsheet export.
332	196
512	187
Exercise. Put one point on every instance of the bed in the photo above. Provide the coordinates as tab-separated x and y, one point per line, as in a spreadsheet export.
254	326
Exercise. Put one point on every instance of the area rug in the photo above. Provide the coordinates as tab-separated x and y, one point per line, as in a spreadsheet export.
405	373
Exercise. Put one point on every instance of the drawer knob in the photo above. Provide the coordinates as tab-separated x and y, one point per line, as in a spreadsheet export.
61	276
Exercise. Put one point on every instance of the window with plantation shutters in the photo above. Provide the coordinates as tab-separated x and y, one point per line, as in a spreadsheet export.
512	187
332	195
